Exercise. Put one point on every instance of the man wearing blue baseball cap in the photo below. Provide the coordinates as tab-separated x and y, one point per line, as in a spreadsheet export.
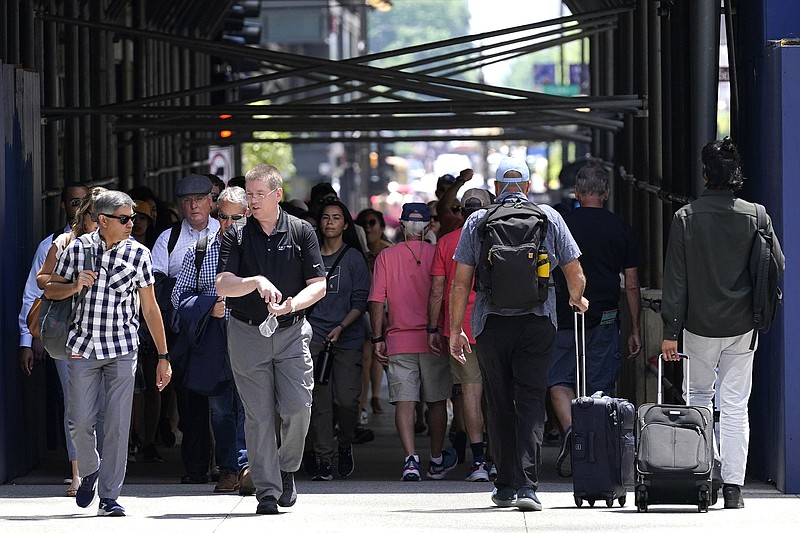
402	280
514	343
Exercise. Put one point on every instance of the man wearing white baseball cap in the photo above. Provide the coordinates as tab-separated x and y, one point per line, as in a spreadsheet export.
514	343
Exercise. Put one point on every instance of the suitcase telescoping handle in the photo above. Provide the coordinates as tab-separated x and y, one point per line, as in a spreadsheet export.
661	374
580	354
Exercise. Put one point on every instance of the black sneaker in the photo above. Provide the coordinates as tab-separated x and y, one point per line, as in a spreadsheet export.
267	506
527	500
564	461
289	495
346	463
505	497
323	472
362	435
309	462
86	491
733	496
151	454
109	507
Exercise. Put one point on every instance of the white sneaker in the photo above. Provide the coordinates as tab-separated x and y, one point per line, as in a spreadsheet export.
364	418
478	472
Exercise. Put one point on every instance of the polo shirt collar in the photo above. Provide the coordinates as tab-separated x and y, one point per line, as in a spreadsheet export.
282	226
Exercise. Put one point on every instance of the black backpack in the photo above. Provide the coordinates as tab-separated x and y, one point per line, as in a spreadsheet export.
512	236
765	271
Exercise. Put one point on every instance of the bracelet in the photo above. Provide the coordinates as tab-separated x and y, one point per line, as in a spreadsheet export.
163	356
376	340
432	330
342	326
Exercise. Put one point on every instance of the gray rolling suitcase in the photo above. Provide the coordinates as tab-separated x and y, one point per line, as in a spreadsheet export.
674	453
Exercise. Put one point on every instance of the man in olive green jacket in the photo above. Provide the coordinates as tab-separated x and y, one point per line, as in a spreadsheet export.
708	293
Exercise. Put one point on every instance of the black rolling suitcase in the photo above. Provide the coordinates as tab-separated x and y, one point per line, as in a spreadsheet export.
603	446
675	453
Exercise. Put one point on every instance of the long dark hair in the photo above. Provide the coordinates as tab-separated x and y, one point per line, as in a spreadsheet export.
350	237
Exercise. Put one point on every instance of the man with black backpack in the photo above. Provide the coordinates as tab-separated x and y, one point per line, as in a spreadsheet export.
709	293
511	248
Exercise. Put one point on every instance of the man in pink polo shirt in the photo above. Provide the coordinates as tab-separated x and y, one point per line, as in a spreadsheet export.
467	374
401	279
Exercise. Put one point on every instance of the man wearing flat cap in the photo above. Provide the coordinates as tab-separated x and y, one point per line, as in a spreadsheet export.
194	196
514	345
402	279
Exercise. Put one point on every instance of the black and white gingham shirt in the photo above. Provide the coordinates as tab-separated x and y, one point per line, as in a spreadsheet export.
108	319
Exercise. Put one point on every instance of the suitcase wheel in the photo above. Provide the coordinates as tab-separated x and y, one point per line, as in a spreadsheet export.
641	499
578	501
621	501
591	503
609	502
703	499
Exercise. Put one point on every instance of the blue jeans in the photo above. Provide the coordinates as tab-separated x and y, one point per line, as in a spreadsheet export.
224	425
241	445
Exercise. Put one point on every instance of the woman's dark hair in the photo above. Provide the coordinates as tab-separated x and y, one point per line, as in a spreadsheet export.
722	165
350	237
361	219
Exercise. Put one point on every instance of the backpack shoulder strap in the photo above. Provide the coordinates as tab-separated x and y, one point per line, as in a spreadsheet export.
296	229
761	217
174	233
199	255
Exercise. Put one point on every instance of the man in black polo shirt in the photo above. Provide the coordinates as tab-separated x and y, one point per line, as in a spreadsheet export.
271	266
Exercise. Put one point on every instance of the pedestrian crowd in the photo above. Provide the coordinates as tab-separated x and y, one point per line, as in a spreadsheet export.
256	331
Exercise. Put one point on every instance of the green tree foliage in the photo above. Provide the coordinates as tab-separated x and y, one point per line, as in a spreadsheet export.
271	151
413	22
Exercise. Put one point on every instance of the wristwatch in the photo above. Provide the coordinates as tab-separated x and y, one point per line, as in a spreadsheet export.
376	340
163	356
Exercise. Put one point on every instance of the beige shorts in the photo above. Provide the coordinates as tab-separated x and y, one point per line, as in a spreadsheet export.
468	373
413	374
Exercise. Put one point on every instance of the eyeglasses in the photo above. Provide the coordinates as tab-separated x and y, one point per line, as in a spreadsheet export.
251	197
123	219
75	202
223	216
371	222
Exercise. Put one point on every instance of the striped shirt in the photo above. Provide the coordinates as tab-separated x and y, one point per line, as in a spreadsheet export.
107	321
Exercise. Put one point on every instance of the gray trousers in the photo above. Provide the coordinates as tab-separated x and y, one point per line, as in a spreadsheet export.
273	374
86	377
724	366
342	391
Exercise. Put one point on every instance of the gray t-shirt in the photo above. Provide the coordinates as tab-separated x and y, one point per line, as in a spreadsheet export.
347	288
560	245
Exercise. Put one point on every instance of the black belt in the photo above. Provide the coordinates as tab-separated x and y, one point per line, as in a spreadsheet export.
283	322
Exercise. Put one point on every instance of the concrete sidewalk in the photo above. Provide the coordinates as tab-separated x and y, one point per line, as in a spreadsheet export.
372	500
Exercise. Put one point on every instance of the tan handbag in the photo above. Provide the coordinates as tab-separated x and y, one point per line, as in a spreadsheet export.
33	318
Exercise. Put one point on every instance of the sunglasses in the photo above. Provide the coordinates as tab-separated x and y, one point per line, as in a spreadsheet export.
123	219
75	202
371	222
223	216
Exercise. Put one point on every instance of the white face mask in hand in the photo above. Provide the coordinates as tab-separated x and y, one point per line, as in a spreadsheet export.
268	327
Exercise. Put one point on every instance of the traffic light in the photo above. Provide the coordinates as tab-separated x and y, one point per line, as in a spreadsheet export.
236	29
